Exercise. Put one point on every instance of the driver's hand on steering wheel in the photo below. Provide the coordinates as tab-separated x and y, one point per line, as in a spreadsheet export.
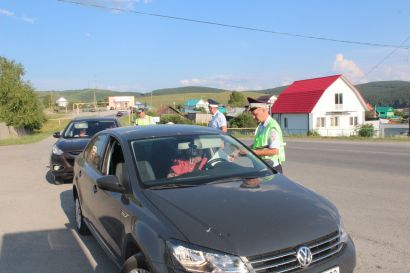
236	154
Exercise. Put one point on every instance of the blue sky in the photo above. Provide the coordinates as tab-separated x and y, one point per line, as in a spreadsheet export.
67	46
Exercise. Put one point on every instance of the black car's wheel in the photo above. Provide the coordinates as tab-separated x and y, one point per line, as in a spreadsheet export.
135	264
79	219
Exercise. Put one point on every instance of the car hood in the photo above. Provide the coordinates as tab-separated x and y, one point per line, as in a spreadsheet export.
72	144
247	221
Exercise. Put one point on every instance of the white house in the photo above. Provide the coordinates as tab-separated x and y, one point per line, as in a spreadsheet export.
268	99
62	102
120	102
192	104
330	106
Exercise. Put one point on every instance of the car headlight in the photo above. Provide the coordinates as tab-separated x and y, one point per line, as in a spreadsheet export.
342	232
56	150
193	259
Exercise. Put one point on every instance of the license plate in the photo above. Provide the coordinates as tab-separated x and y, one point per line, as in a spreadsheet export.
332	270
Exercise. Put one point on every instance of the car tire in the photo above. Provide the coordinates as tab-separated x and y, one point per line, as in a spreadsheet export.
79	218
135	264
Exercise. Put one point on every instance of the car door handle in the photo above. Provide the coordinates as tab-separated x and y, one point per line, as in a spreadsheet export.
124	214
95	189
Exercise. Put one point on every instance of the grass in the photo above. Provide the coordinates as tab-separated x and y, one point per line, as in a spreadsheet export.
49	127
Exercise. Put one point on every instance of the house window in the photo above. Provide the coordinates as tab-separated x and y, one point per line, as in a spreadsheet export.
285	121
338	98
353	121
321	122
334	121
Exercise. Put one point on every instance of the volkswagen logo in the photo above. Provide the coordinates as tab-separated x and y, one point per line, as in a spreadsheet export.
304	256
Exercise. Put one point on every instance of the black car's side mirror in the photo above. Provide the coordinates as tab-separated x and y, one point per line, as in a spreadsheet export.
56	134
110	183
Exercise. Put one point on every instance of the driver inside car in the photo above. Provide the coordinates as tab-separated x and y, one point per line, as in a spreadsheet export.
189	159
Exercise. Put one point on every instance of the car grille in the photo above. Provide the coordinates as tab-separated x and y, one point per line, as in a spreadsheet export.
285	260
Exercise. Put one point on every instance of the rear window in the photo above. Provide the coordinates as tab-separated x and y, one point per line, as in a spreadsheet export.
86	129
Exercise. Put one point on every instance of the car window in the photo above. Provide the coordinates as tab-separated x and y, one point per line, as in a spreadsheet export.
95	151
193	158
87	129
114	162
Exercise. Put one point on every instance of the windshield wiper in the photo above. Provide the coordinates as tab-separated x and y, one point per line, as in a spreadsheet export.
171	186
227	180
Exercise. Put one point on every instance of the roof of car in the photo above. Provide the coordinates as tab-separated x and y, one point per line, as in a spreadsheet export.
139	132
94	118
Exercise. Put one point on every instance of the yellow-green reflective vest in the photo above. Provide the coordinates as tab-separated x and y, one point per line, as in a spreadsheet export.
261	139
144	121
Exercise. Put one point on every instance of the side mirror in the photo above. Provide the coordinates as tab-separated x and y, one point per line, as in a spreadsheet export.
110	183
57	134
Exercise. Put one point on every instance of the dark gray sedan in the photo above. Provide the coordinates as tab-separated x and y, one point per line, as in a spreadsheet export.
174	198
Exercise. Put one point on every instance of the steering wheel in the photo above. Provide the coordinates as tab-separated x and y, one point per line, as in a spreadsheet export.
213	162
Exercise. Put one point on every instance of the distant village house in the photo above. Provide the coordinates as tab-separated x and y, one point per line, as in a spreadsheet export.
120	102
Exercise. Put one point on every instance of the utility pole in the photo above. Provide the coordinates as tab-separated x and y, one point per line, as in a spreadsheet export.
408	104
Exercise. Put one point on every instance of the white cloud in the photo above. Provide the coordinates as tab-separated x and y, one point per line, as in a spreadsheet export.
394	72
117	5
11	14
29	20
229	82
6	12
347	68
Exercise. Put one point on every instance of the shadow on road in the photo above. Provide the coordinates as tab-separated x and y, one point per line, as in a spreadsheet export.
54	250
91	245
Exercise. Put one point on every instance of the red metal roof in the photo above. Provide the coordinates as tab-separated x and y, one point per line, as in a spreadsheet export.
302	96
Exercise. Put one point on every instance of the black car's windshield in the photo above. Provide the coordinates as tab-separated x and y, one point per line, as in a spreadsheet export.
86	129
194	160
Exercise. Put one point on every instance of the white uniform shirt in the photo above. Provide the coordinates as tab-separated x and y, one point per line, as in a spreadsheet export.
218	120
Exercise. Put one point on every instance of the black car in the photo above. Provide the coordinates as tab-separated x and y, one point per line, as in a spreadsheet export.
72	141
179	198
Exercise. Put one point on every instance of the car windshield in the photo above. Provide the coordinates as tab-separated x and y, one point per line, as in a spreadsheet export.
86	129
194	160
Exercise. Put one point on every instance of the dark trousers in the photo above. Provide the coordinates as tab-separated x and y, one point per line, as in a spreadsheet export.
278	168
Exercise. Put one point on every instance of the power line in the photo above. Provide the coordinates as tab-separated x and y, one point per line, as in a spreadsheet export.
381	61
240	27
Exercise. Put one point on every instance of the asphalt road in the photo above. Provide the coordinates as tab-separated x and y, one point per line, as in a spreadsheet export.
368	181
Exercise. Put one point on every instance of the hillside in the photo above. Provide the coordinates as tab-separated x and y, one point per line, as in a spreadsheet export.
84	95
386	93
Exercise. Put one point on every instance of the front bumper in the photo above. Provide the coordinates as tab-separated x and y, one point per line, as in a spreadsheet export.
345	260
61	166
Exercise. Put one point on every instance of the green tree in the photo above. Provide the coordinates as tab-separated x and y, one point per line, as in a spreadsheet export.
236	99
243	120
19	106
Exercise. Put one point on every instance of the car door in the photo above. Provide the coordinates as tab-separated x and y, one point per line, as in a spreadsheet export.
87	176
111	213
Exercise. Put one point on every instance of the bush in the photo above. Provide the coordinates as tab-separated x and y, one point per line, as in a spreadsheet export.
313	133
176	119
366	130
244	120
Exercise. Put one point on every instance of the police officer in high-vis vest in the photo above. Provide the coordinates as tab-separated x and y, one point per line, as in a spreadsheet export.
268	140
142	118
